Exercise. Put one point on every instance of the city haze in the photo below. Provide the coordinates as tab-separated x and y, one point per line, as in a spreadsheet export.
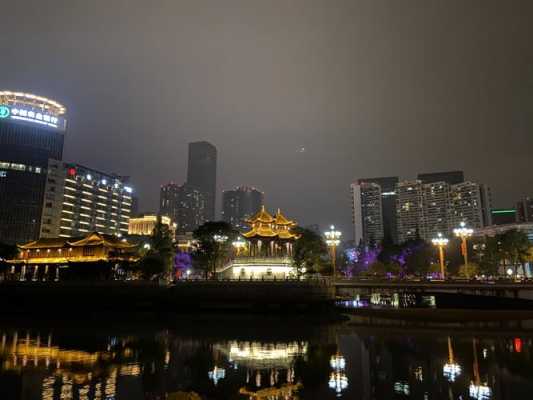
300	98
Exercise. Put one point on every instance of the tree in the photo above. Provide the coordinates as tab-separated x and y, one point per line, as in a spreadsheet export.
310	251
157	261
210	252
514	248
470	270
487	254
418	257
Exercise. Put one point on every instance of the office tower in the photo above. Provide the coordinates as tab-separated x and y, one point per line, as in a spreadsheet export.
184	204
524	210
436	209
78	200
240	204
202	174
367	212
32	130
410	210
450	177
388	205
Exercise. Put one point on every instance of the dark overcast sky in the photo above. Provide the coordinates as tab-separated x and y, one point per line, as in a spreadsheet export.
369	88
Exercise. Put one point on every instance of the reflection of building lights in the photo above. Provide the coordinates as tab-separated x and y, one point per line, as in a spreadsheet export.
337	362
402	388
480	392
217	374
338	381
451	371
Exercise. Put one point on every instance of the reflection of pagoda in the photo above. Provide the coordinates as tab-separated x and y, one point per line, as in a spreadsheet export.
270	373
268	253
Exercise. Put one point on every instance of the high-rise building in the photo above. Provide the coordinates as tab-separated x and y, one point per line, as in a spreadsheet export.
367	212
436	209
202	174
471	203
184	204
388	205
450	177
78	200
410	210
32	130
524	210
428	209
239	204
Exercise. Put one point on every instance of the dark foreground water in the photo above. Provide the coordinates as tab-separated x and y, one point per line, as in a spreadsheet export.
261	357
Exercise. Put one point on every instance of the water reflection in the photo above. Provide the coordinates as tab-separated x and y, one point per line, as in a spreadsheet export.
281	360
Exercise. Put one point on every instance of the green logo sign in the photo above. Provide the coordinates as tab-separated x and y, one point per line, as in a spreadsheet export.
4	112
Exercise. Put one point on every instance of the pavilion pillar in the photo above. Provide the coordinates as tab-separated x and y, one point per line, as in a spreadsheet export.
35	273
23	272
45	275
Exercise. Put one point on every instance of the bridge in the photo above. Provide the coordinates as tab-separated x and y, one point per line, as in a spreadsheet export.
504	288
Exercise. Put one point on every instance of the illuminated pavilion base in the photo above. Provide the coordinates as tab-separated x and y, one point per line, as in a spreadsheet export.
254	268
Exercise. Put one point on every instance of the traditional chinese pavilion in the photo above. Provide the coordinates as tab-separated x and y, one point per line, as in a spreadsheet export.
44	257
270	236
268	253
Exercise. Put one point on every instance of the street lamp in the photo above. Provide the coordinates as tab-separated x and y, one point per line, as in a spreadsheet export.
464	233
239	244
441	243
220	238
333	240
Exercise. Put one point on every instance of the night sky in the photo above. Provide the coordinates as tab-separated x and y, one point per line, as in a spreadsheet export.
300	97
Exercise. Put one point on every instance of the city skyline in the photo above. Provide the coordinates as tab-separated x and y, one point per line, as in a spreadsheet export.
439	93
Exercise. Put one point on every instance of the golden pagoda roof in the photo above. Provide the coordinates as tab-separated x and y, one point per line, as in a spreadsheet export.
282	220
261	216
262	224
92	239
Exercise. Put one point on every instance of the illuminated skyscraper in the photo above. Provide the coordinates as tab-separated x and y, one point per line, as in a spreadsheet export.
388	205
202	174
367	212
240	204
32	130
79	200
184	204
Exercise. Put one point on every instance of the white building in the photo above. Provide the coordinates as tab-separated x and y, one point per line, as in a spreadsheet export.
367	212
79	200
410	210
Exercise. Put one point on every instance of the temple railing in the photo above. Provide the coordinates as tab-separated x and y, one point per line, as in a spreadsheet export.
262	260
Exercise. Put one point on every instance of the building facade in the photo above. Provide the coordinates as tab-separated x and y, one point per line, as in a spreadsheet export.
240	204
202	174
388	205
437	210
367	212
184	204
32	130
79	200
410	210
471	203
144	225
524	210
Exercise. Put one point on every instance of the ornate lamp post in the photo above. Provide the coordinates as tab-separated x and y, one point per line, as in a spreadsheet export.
441	243
464	233
333	240
239	244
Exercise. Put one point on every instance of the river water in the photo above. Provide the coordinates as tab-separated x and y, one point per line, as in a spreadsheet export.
262	357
